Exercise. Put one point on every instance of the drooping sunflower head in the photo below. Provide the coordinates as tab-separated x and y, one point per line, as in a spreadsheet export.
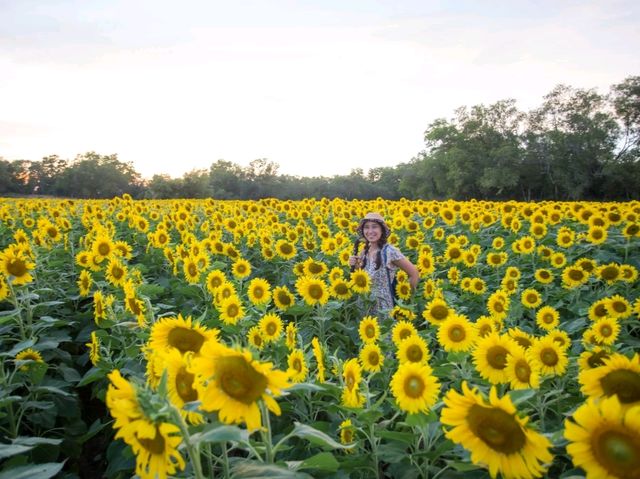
593	358
180	333
29	354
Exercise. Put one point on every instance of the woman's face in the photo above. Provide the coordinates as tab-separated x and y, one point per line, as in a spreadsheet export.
372	231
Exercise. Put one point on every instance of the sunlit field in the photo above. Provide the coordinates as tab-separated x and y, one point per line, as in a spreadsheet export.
208	338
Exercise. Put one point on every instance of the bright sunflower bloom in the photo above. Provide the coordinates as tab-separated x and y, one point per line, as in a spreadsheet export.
547	318
494	434
618	307
291	336
436	311
490	357
606	331
231	310
318	353
593	358
521	372
180	333
369	329
619	376
457	333
215	279
604	439
180	382
371	358
241	268
155	444
413	349
347	432
4	289
340	289
254	337
352	375
530	298
16	266
574	277
94	348
271	326
401	331
259	291
313	290
298	369
415	387
231	382
282	298
360	281
116	272
544	276
85	281
29	355
548	357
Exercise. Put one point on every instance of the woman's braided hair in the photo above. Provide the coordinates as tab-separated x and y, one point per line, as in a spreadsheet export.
381	242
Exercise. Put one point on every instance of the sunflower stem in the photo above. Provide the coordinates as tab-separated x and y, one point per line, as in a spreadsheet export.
225	461
266	433
192	449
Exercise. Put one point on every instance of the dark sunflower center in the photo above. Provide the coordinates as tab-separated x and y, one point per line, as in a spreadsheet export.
414	353
271	329
286	249
497	357
523	341
576	275
532	298
17	267
104	249
240	380
370	331
623	383
597	359
315	268
297	365
315	291
414	386
498	307
523	371
457	334
548	318
184	386
374	358
232	310
439	312
609	273
619	307
618	452
185	339
606	330
155	446
52	232
498	429
404	334
117	272
258	292
284	299
549	357
341	288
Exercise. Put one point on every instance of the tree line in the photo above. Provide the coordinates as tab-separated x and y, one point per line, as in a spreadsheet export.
579	144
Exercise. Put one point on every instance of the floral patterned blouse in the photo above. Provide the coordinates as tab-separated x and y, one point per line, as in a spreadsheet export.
380	281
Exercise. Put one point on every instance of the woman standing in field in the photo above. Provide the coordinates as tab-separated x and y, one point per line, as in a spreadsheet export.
381	260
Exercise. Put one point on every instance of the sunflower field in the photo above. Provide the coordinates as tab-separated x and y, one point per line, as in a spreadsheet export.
206	338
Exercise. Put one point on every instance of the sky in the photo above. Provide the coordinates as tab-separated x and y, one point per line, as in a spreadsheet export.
318	87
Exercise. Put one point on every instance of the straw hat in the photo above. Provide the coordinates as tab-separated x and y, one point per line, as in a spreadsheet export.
377	218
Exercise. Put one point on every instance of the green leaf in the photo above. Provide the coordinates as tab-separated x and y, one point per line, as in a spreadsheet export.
324	461
35	441
305	387
36	471
519	396
20	347
221	434
316	437
53	390
92	375
406	437
462	466
251	470
8	450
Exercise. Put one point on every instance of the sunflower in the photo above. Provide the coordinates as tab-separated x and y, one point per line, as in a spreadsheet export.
530	298
298	369
352	375
573	277
94	348
116	272
254	337
593	358
181	383
414	387
339	289
610	273
598	310
436	311
597	235
606	330
259	291
558	260
318	353
231	310
498	304
315	269
180	333
490	357
271	326
241	268
313	290
347	432
521	372
371	357
100	305
285	250
401	331
155	444
453	275
403	290
485	325
29	355
291	335
620	376
360	281
84	283
497	259
282	298
16	266
102	247
604	439
548	357
547	318
231	382
618	307
215	279
544	276
457	333
628	273
414	349
495	434
369	330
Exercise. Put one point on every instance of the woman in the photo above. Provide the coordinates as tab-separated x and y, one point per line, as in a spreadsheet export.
381	260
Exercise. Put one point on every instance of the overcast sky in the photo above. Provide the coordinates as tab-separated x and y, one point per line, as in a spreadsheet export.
319	87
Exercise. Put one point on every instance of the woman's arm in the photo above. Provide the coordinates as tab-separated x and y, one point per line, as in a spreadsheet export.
407	266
